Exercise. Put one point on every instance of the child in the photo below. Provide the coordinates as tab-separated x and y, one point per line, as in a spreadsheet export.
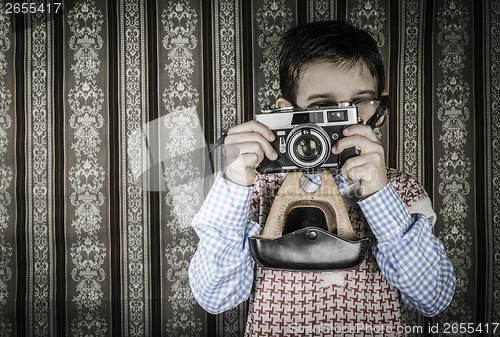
322	63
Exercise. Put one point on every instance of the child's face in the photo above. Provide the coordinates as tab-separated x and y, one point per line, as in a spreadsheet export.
323	82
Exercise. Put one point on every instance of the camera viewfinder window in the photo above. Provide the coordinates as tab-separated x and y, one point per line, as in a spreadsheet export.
337	115
308	117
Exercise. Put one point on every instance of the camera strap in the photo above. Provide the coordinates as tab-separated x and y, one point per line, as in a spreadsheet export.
379	112
218	143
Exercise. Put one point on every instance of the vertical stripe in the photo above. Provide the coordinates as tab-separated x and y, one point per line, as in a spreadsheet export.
228	96
135	246
453	151
29	193
181	138
114	204
88	155
227	57
373	16
321	10
154	223
41	288
479	127
393	85
237	51
145	222
22	204
7	163
124	225
410	86
491	13
488	173
50	182
271	20
59	178
218	112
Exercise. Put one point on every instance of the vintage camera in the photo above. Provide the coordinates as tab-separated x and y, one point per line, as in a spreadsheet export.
304	138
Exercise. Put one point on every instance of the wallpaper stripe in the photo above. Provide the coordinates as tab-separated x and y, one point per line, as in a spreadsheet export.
228	112
40	226
87	127
153	68
270	20
374	16
227	64
490	262
181	138
7	161
408	110
491	10
488	16
320	10
135	235
454	152
410	86
114	164
20	192
59	178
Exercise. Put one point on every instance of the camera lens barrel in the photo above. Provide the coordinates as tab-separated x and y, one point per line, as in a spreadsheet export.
308	145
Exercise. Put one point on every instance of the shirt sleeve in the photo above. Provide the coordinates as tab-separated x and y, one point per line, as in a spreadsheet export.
411	258
221	270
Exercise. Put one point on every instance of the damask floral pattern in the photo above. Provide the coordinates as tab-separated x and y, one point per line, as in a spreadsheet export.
228	103
86	176
273	19
41	266
227	63
492	94
369	15
321	10
182	177
454	165
410	85
134	184
6	175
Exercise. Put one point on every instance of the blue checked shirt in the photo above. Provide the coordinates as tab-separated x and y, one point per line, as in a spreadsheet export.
410	257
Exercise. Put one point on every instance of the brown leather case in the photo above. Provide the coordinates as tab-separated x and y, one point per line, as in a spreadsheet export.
325	243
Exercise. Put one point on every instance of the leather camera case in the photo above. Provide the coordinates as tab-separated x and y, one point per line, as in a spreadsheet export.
308	231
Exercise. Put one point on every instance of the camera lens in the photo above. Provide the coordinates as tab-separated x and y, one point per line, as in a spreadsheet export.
308	146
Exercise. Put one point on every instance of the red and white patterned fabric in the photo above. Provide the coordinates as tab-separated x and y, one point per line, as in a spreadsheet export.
299	304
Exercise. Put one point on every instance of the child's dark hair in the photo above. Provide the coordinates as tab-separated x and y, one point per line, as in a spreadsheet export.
336	42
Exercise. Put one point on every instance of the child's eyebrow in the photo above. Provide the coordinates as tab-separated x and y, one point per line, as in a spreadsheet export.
315	96
330	96
364	92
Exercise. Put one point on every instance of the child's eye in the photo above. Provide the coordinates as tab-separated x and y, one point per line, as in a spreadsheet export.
362	100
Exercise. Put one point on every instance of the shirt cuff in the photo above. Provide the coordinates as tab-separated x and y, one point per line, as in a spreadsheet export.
227	203
341	182
386	213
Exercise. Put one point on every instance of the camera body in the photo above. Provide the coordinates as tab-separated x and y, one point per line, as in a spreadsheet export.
304	138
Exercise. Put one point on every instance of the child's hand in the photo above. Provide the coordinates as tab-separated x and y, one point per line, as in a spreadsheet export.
369	167
246	144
